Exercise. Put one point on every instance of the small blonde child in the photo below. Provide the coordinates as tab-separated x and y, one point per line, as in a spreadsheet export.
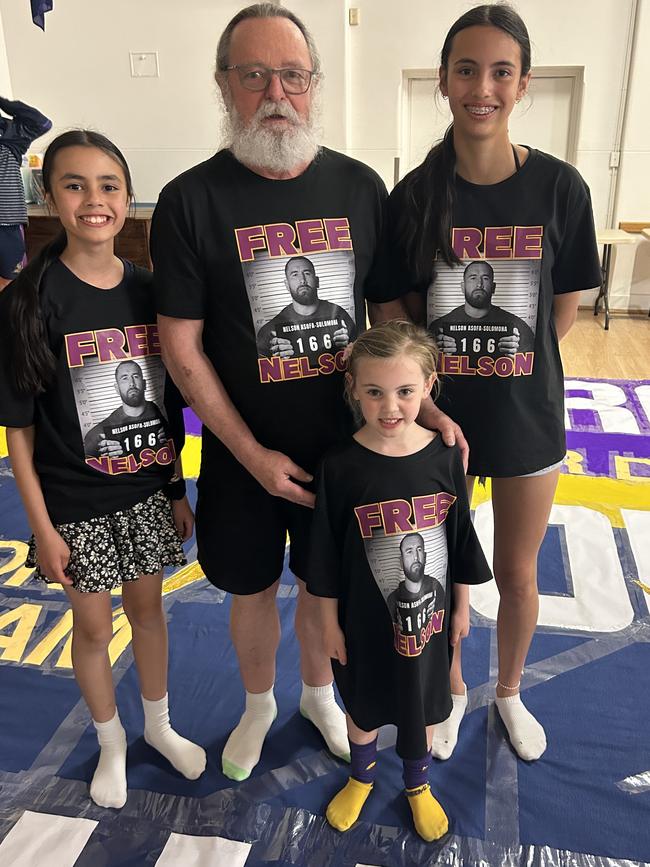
392	549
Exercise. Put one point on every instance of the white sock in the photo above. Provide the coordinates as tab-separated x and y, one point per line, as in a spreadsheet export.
318	705
108	785
527	736
244	746
445	734
188	758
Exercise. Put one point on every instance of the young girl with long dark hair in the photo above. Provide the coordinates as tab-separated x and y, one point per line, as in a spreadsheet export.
94	443
492	241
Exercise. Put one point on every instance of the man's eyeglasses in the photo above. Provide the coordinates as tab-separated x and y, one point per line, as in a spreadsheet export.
256	78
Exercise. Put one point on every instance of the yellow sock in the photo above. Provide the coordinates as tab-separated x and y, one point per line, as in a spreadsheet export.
344	809
429	817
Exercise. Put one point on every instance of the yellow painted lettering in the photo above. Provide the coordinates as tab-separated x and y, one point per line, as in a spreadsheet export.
622	467
573	461
24	616
22	573
50	642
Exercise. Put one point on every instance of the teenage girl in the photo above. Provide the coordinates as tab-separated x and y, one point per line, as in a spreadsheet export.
493	240
93	445
391	536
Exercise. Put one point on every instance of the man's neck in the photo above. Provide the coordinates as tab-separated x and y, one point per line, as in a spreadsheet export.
133	411
305	309
412	586
476	312
287	175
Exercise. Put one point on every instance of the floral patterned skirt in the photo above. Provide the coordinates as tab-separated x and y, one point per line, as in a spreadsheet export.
106	551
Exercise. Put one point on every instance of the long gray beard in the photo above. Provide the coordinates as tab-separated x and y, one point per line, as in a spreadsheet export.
278	151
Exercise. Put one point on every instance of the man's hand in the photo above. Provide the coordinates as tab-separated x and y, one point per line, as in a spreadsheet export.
433	418
446	343
276	473
509	344
53	557
110	448
280	346
341	337
334	642
459	625
183	518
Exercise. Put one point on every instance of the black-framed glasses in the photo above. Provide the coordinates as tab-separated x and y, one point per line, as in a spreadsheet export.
255	77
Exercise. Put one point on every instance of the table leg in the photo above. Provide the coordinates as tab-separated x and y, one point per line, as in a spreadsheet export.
603	292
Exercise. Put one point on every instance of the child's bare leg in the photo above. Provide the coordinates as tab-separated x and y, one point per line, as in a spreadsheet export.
91	634
143	606
344	809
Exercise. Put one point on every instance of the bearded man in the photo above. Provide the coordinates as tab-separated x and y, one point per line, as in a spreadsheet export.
221	235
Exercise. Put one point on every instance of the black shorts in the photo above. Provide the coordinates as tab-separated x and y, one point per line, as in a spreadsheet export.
12	251
241	531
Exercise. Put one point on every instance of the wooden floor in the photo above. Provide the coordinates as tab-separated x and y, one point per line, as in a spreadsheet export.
623	352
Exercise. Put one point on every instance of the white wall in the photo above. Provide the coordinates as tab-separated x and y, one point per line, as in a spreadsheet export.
5	78
78	73
631	283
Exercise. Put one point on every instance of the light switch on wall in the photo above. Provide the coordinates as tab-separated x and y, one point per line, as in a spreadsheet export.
144	64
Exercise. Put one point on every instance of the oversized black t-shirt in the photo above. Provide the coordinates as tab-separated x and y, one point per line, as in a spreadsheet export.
390	537
221	238
109	427
536	231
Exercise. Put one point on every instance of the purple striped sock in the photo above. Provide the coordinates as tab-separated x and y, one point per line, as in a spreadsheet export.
416	772
363	761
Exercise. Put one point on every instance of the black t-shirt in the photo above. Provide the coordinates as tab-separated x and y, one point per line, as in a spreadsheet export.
109	427
536	231
220	240
369	507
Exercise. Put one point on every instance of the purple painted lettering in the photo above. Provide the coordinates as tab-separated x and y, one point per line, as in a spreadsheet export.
528	242
311	236
110	344
498	242
368	517
338	234
395	516
466	243
280	238
78	346
249	240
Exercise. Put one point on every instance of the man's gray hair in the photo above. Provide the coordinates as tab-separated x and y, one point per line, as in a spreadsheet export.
263	10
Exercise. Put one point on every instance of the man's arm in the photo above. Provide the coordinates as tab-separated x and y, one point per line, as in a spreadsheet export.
198	382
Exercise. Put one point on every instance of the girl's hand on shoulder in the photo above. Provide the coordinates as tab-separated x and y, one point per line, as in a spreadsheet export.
53	557
459	626
183	518
334	641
